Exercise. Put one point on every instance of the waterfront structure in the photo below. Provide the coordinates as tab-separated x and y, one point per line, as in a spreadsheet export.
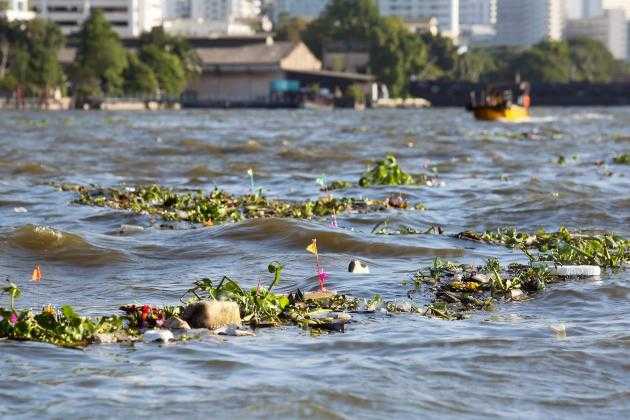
477	12
528	22
246	74
129	18
16	10
308	9
445	11
610	28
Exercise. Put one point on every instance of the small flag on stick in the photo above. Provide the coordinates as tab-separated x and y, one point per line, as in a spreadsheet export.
322	276
312	248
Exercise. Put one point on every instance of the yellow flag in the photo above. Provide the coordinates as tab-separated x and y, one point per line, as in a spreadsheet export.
312	248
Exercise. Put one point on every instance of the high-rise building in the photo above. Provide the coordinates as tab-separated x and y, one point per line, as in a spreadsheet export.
225	10
445	11
522	22
177	9
617	4
477	12
309	9
129	18
16	10
610	28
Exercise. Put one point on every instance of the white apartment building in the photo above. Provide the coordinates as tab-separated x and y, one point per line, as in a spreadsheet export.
527	22
16	10
225	10
129	18
177	9
308	9
445	11
477	12
610	28
617	4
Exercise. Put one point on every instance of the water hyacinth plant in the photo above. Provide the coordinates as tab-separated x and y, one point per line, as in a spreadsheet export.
216	206
562	247
386	172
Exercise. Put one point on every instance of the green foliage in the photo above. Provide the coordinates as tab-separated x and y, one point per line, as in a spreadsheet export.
345	21
356	92
101	59
29	56
216	206
396	54
258	306
13	291
562	247
188	58
167	67
591	61
290	28
547	61
139	78
62	327
622	159
386	172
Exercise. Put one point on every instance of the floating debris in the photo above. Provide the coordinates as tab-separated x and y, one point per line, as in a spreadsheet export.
217	206
386	172
162	336
358	267
622	159
563	247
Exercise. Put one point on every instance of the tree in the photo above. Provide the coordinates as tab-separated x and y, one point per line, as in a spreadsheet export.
167	68
473	65
139	77
290	28
29	63
178	46
343	20
396	54
547	62
101	58
591	61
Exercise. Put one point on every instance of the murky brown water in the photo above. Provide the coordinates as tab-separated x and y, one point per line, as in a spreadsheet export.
506	363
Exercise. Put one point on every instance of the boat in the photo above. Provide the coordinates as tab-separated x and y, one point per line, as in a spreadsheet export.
496	103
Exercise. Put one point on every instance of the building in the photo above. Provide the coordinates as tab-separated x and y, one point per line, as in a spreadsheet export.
445	11
529	22
617	4
225	10
610	28
129	18
477	12
16	10
245	74
308	9
177	9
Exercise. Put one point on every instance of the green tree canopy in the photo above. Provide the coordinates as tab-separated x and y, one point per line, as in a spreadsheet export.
178	46
591	61
139	77
343	20
101	58
290	28
29	56
547	61
396	54
167	67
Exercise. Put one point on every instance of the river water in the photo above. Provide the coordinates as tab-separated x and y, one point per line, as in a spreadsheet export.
507	363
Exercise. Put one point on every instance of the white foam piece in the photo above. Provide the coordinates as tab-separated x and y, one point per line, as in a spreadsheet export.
572	270
151	336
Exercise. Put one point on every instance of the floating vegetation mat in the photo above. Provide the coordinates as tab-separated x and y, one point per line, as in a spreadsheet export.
563	247
217	206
